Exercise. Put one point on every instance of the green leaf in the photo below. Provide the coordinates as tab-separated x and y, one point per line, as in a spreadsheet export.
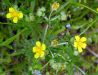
8	41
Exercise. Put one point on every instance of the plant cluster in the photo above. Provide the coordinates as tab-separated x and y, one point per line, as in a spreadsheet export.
48	37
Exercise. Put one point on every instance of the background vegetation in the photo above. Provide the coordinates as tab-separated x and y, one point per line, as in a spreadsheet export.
73	17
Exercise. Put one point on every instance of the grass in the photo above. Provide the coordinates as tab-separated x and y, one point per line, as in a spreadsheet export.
42	23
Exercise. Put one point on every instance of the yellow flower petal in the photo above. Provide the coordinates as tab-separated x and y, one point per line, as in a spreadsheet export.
83	39
42	54
38	43
8	15
36	55
43	46
34	49
83	45
80	50
11	9
80	43
77	38
20	15
75	44
38	49
15	19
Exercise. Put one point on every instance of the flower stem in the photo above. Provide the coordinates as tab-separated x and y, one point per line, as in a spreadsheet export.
80	69
64	43
46	29
45	65
45	33
86	7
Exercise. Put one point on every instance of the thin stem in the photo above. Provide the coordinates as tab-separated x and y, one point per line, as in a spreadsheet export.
88	27
61	56
79	69
45	33
56	73
93	53
50	15
64	43
86	7
45	65
46	29
51	54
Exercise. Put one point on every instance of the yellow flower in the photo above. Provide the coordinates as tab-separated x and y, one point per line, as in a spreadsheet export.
14	14
55	6
80	43
54	43
39	49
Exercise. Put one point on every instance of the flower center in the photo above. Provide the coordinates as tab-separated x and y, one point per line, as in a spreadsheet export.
15	14
79	43
39	50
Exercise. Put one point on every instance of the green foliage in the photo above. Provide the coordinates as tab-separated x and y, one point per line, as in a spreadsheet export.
40	23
